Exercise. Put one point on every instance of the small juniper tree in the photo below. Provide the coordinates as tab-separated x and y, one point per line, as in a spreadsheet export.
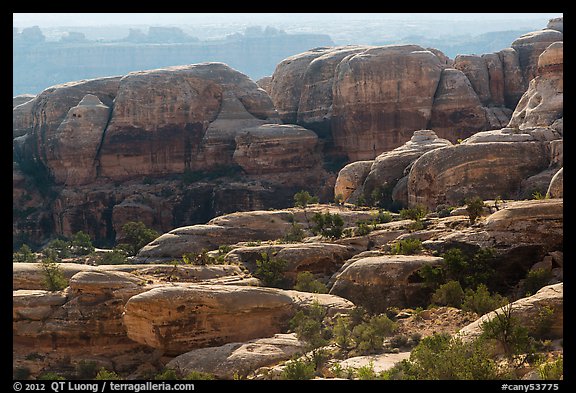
53	277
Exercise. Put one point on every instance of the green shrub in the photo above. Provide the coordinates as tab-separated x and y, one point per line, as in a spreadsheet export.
406	246
298	370
366	372
81	244
24	254
535	279
57	249
342	333
362	228
553	370
416	213
136	235
270	270
106	375
505	328
21	373
115	257
544	321
474	208
53	277
449	294
86	369
199	376
303	199
328	225
309	327
166	375
305	282
51	376
383	217
369	336
441	357
295	234
481	301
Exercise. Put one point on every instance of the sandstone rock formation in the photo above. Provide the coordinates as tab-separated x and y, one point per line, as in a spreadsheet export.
159	132
527	310
179	319
319	89
381	116
276	148
381	281
238	227
240	358
317	258
450	174
533	136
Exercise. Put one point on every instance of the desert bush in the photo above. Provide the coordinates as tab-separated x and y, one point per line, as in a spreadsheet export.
135	235
53	277
51	376
481	301
553	370
295	234
328	225
416	213
270	270
406	246
305	282
106	375
505	328
309	327
535	279
298	369
80	244
369	336
362	228
441	357
198	376
115	257
86	369
167	374
449	294
474	208
24	254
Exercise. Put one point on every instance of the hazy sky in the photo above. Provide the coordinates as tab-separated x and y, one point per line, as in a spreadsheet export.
96	19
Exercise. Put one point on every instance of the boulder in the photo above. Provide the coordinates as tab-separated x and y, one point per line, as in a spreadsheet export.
543	102
317	258
274	148
239	358
21	99
315	103
527	312
514	85
379	282
476	70
179	319
287	82
450	174
457	111
350	179
529	47
51	108
556	187
374	111
78	140
184	117
389	167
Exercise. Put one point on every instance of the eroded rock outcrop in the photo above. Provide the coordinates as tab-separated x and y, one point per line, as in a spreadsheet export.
378	282
150	145
527	310
276	148
240	358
